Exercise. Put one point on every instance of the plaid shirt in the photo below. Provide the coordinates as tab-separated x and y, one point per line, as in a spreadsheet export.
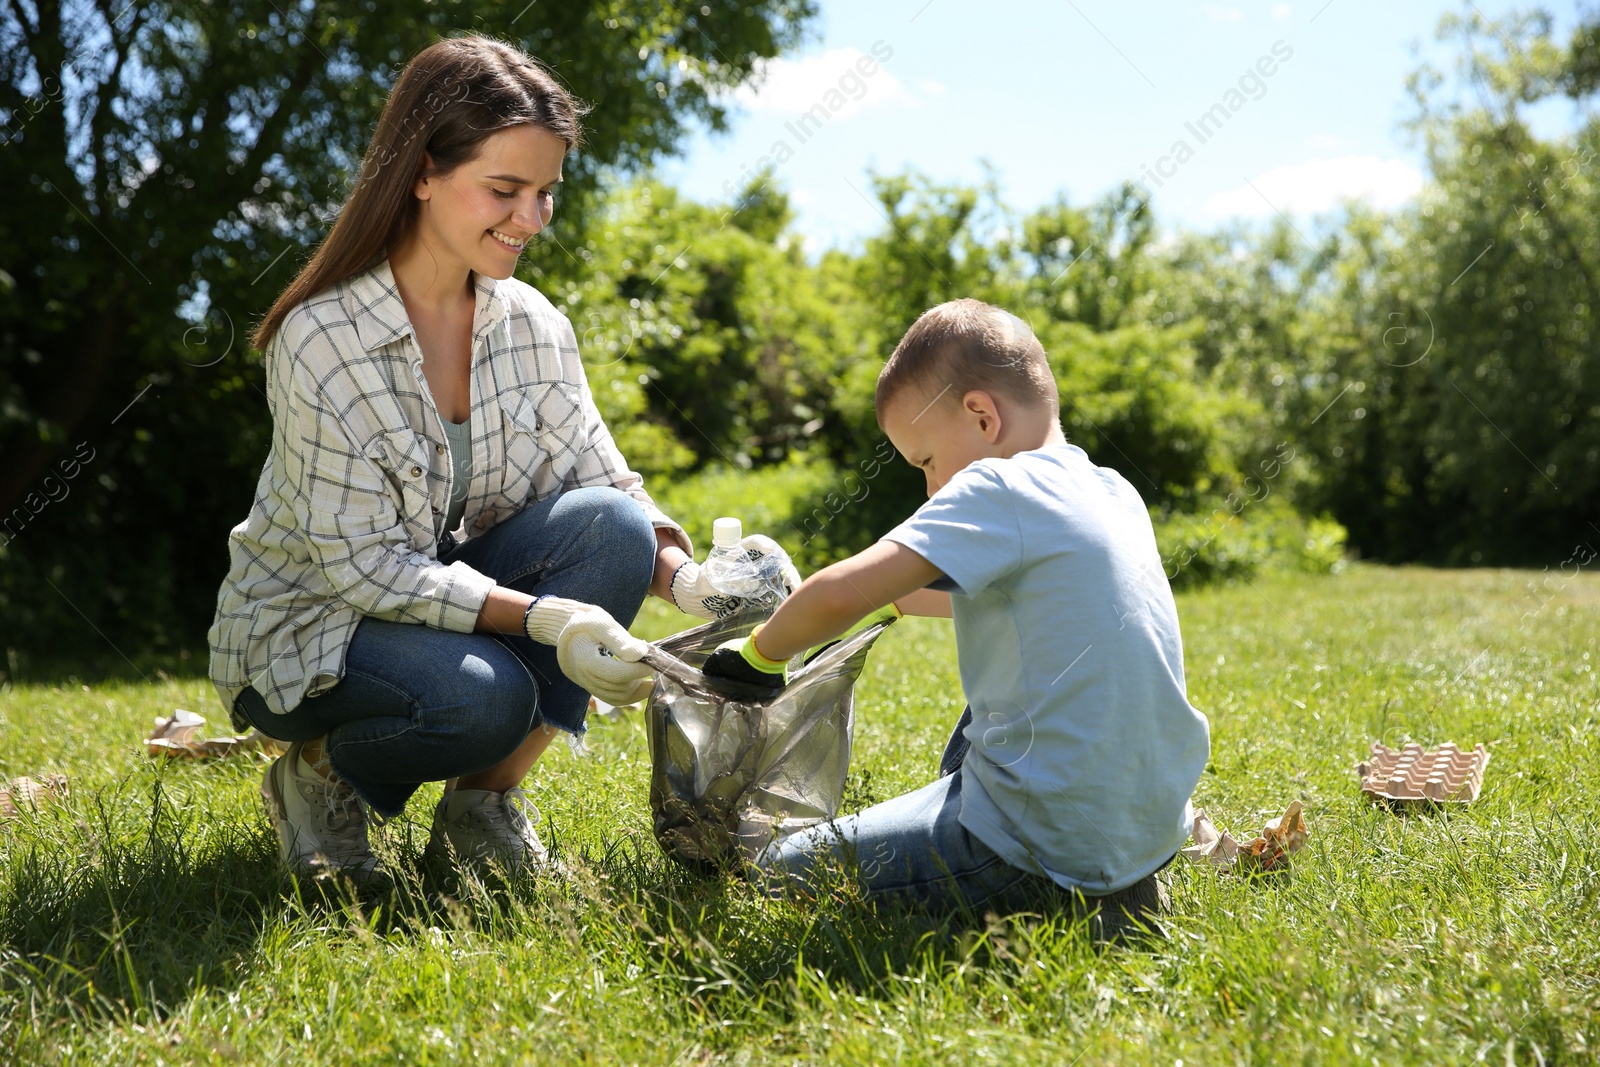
351	504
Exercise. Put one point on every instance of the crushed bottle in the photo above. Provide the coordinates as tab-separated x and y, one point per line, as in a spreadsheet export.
739	572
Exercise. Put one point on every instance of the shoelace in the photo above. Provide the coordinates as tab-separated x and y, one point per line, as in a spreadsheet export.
342	818
517	806
508	819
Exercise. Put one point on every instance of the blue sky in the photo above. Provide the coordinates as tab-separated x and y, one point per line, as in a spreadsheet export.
1073	97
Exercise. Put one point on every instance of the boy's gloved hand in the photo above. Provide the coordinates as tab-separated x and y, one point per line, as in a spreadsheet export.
694	594
738	661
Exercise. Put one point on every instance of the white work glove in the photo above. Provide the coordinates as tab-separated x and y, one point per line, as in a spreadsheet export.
695	595
594	650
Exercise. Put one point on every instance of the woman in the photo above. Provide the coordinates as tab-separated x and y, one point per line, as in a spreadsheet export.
445	546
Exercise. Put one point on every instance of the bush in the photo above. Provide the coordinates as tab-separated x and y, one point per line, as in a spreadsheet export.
767	500
1230	542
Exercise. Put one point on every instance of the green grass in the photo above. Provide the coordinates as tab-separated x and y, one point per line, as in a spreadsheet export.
142	920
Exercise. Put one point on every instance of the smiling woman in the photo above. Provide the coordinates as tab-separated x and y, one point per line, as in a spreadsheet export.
445	546
478	217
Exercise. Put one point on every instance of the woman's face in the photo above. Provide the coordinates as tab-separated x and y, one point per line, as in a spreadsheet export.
483	212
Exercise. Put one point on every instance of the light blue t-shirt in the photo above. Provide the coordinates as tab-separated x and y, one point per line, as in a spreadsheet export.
1085	748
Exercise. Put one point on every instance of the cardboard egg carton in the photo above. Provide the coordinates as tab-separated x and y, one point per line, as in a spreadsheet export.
1444	775
21	795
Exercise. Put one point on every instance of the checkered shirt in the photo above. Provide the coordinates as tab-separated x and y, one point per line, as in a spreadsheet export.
351	503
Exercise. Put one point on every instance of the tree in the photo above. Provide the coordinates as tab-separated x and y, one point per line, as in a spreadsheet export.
1477	438
167	167
706	326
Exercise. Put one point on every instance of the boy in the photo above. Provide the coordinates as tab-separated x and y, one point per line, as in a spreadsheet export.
1080	747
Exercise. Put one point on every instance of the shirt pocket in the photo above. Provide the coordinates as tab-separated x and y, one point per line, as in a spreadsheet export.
559	413
542	430
403	459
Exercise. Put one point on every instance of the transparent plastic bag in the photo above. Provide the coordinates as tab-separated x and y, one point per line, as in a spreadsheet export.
728	775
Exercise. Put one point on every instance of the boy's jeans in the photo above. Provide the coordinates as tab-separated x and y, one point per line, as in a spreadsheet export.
421	705
914	848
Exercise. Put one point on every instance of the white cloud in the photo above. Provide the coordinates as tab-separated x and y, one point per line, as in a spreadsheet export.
1218	13
1280	12
1319	185
790	86
933	88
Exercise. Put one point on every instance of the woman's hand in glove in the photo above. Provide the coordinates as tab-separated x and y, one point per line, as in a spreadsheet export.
594	650
694	594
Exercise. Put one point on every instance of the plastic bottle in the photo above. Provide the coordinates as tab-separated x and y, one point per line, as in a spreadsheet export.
730	569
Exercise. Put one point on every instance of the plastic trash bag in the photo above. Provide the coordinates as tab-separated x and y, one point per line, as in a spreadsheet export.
729	775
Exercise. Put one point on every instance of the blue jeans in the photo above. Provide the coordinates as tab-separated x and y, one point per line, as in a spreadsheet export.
914	849
419	705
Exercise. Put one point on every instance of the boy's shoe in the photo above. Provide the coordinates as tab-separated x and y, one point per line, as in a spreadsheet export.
1129	914
321	823
479	825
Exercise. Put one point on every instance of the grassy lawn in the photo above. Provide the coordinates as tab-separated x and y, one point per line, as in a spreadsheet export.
143	920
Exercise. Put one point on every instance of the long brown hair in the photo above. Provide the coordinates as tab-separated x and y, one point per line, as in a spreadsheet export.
449	99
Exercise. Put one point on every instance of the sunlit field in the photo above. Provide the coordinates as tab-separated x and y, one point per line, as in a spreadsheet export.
143	919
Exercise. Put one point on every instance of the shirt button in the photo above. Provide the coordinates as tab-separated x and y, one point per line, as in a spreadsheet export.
438	449
416	472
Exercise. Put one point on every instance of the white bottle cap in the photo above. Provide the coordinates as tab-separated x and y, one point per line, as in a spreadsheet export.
727	532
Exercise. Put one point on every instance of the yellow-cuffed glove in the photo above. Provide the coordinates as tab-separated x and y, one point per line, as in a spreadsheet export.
737	660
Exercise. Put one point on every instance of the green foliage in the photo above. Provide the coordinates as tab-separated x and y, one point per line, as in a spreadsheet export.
1134	400
765	498
1234	539
1451	346
1484	446
1092	266
142	919
1431	371
714	315
161	198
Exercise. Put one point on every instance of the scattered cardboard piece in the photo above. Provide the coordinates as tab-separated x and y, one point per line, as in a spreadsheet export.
1212	846
1280	838
179	734
30	794
1416	775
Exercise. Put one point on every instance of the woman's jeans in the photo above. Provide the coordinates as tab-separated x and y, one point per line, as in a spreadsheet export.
418	705
914	849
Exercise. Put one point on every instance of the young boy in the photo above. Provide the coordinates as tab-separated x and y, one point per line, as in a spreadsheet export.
1080	746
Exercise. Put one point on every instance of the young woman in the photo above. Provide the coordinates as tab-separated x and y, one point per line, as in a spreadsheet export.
445	546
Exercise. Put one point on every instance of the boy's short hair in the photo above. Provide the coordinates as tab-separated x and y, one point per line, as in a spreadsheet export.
964	345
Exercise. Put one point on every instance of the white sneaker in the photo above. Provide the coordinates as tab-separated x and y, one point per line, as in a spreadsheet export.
321	822
479	825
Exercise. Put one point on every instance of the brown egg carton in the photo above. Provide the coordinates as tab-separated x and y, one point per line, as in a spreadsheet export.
1443	775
